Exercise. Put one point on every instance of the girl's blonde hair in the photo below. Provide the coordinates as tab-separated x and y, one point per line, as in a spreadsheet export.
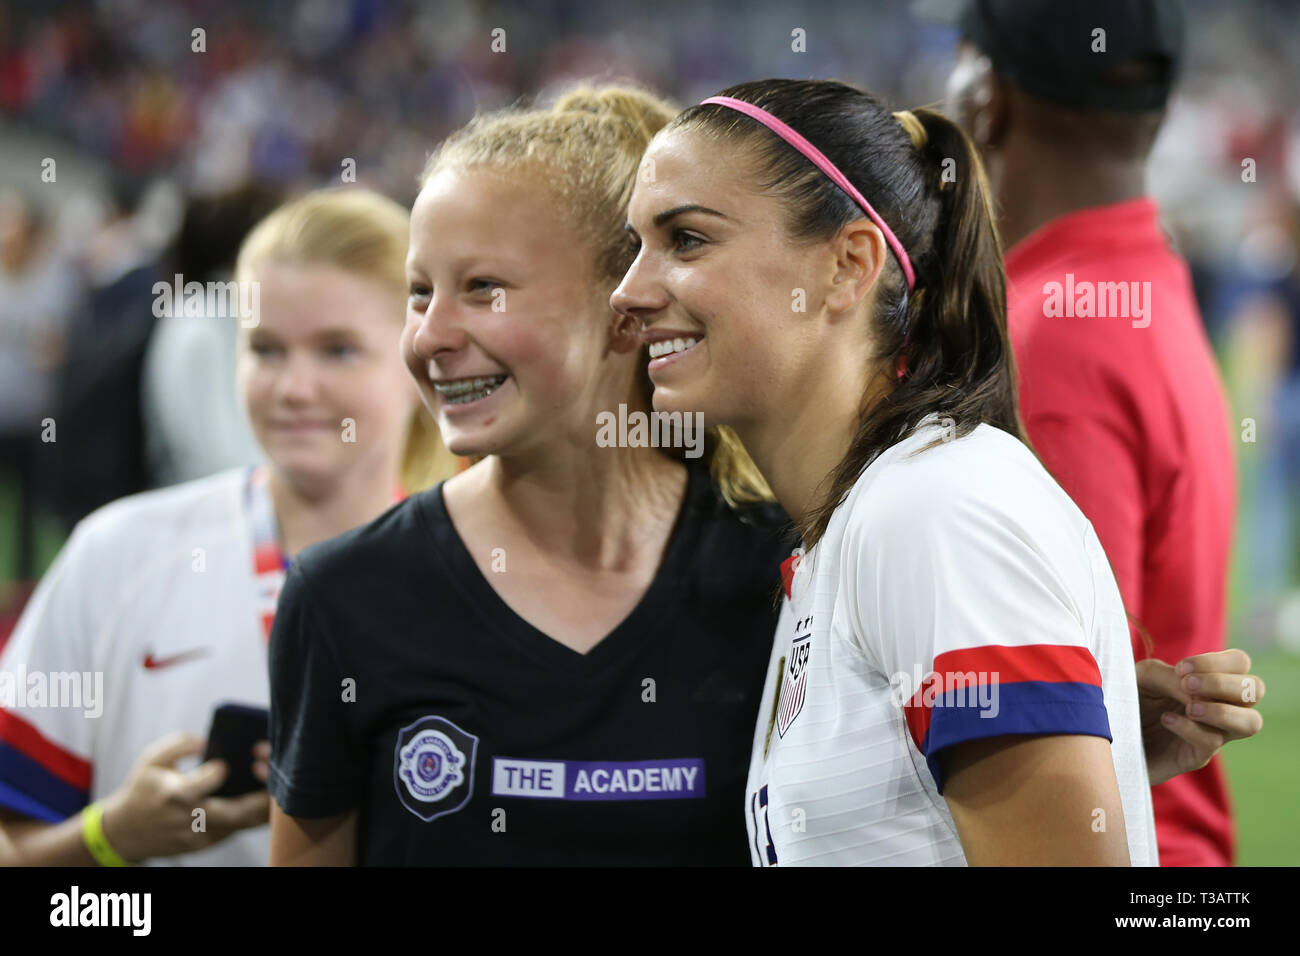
589	145
361	232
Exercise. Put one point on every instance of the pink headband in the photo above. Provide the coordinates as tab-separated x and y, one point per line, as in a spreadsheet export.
825	165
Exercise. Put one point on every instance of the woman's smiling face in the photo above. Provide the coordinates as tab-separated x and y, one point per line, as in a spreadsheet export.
716	265
322	356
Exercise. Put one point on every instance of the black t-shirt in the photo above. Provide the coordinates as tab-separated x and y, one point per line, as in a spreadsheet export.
402	686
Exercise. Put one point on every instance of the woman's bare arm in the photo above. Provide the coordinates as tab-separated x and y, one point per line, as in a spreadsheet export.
1023	800
28	842
300	841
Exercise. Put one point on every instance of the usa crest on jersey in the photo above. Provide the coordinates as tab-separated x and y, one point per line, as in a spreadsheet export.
794	679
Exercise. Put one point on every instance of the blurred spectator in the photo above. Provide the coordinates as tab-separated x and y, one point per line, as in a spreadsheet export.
100	451
1259	298
193	423
38	292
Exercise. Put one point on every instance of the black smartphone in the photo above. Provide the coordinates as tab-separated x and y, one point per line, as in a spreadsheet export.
235	729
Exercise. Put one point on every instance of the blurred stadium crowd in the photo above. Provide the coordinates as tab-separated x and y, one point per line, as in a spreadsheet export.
169	144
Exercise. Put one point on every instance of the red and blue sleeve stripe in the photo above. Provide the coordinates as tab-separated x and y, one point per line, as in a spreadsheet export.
991	691
39	778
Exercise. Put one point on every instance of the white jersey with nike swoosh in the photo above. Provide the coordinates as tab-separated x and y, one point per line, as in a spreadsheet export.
149	618
957	594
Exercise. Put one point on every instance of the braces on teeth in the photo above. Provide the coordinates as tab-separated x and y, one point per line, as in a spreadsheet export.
469	390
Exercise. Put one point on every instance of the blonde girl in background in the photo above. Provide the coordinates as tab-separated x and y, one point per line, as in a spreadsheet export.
164	600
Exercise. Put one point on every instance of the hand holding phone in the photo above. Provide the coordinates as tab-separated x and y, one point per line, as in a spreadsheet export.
236	730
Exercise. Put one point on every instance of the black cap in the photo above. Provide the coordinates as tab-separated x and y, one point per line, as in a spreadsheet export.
1050	48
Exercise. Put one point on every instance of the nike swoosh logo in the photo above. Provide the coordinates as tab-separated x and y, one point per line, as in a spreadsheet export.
152	663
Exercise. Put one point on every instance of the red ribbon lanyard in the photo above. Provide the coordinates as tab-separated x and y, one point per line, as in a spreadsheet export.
269	560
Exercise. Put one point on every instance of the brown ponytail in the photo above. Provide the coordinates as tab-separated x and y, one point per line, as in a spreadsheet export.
924	177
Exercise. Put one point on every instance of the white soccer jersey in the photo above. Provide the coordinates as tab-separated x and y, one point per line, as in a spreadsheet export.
966	557
149	618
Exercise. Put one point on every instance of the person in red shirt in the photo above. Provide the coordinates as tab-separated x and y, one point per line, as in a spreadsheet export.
1119	392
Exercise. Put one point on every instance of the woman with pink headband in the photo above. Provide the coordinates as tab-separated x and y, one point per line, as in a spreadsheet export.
952	679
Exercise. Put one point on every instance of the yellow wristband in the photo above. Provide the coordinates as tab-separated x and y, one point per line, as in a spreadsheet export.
92	831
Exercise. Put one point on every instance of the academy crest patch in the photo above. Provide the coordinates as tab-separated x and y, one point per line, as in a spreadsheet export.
433	767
